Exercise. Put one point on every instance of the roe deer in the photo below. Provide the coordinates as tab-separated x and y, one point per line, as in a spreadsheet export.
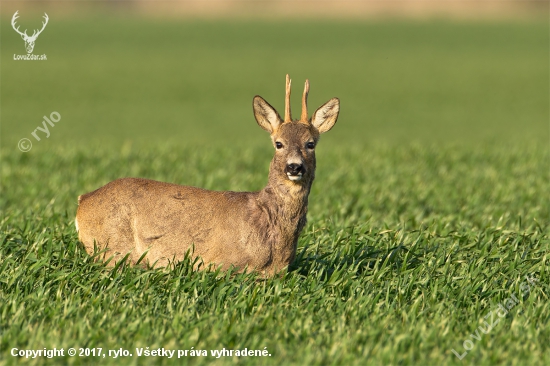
254	230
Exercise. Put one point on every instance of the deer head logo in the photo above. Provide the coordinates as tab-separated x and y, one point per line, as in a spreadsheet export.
29	40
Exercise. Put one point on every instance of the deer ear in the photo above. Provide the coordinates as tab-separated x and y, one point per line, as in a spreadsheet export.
266	116
326	115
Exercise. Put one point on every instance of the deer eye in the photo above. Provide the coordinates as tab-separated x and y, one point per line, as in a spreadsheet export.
310	145
278	145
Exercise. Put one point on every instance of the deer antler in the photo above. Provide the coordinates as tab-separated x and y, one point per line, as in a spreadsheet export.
288	117
13	19
304	101
35	34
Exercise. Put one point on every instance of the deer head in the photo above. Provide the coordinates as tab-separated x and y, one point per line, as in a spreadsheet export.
295	140
29	40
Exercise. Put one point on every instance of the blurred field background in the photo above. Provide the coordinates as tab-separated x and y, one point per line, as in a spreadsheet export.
430	204
121	75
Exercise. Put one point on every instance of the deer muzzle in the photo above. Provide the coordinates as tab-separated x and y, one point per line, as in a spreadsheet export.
295	171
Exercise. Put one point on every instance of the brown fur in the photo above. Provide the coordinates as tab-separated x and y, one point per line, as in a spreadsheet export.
257	230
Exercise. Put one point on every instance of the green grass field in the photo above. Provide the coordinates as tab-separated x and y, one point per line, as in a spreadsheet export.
430	207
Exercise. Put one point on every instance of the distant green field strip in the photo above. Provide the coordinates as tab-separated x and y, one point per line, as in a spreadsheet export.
138	79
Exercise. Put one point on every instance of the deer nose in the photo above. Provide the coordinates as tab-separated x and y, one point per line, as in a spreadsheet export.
294	169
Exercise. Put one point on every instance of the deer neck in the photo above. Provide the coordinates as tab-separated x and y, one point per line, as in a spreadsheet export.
285	204
289	198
